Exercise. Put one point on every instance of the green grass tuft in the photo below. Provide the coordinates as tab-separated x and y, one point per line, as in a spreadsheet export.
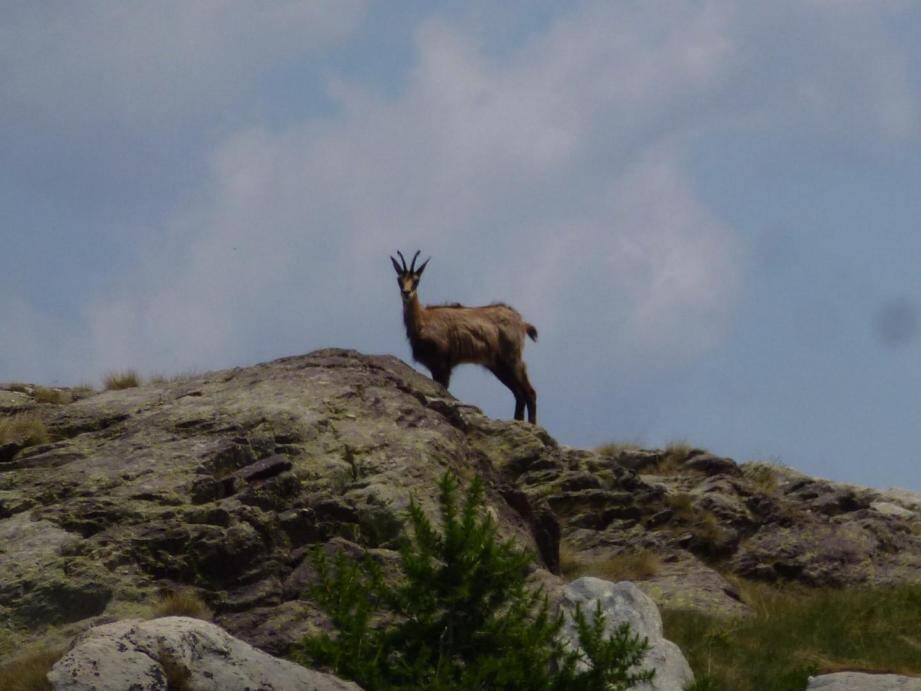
795	632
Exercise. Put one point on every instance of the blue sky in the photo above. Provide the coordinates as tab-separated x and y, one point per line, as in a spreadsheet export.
710	209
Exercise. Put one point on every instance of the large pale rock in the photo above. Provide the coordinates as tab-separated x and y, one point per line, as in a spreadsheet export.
135	654
223	481
624	602
858	681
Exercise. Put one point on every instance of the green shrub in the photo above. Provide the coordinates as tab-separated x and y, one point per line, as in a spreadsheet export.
460	618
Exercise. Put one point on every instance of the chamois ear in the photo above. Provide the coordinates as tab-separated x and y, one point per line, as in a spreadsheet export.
422	268
396	266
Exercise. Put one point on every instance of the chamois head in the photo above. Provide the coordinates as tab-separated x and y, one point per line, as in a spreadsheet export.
408	279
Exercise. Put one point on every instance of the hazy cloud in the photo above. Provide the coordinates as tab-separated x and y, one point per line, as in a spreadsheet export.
69	66
554	175
527	179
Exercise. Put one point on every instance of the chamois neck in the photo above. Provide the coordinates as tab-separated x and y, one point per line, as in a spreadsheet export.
412	316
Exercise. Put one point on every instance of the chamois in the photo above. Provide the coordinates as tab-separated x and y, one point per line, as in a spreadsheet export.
444	336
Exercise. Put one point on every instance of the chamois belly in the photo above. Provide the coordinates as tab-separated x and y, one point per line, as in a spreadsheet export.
427	354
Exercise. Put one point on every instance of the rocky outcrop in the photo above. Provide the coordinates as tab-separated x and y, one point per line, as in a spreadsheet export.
178	652
858	681
705	516
224	482
624	602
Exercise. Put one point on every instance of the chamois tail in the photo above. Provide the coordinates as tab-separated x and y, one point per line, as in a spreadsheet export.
531	330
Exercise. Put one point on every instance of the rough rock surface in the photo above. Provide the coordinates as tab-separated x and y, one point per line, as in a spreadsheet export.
857	681
149	655
711	517
624	602
223	482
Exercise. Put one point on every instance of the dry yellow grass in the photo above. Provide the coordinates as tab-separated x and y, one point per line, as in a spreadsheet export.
570	564
177	674
173	378
55	396
682	504
182	603
628	566
127	379
615	448
82	391
762	475
27	672
676	453
24	429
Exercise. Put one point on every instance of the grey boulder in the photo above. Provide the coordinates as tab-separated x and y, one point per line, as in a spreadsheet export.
625	602
150	655
859	681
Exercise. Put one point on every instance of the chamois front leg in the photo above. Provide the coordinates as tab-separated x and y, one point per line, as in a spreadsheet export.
442	375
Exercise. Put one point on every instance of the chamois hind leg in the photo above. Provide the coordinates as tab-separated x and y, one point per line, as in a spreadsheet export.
442	375
506	376
530	395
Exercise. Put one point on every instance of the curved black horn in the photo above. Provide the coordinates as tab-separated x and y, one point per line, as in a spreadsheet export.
412	266
422	268
403	259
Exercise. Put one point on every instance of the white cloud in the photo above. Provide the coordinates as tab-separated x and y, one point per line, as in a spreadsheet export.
465	163
553	177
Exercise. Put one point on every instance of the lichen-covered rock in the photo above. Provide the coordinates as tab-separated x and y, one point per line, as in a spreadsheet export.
160	654
624	602
709	515
858	681
224	481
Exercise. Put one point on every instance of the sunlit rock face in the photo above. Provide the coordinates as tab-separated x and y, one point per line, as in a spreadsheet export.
224	482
